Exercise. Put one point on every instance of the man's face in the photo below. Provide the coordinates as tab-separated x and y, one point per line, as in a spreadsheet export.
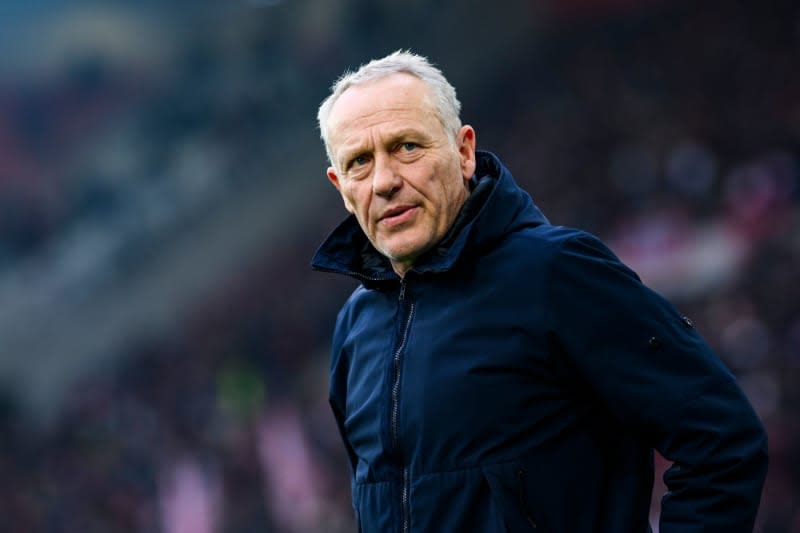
396	168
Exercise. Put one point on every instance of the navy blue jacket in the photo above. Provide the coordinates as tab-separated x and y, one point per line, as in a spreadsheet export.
519	377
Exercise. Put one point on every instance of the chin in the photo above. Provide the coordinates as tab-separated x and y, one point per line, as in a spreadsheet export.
400	254
404	249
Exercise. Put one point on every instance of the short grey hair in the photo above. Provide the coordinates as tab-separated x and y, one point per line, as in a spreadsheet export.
446	104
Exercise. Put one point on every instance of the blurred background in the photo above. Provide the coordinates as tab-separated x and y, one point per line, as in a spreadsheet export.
163	342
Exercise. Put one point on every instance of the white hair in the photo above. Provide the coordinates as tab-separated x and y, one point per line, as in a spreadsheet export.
445	103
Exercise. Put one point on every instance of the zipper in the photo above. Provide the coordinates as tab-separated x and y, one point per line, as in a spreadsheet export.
395	413
404	501
357	275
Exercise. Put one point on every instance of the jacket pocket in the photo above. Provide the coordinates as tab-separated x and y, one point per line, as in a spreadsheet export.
374	509
508	487
522	476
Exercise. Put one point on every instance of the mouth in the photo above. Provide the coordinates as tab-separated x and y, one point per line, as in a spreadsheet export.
397	215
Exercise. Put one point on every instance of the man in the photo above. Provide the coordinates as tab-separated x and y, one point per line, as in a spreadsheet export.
495	373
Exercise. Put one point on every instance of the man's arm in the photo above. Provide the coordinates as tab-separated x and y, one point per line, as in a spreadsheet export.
719	450
337	389
655	373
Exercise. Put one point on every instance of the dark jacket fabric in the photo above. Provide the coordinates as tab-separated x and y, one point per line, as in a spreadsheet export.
519	377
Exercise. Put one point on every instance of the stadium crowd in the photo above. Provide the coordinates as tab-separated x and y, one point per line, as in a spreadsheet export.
672	132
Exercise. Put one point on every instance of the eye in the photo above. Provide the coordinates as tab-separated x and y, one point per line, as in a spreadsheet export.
408	147
357	161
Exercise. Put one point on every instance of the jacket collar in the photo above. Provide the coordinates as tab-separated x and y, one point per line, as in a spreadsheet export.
496	207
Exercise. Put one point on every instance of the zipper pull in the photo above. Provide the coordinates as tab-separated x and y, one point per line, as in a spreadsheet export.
402	289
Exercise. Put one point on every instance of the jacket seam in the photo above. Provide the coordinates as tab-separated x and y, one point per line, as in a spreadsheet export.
477	466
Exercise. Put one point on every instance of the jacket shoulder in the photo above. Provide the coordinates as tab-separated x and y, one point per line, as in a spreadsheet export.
357	299
543	243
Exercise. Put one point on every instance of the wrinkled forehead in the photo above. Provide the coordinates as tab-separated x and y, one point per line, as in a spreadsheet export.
394	94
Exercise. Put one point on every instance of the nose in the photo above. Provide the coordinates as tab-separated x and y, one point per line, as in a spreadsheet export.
385	180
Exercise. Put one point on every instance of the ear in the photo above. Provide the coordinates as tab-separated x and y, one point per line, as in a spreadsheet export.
334	179
465	141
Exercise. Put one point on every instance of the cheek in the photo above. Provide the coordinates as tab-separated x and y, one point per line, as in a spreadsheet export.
357	201
347	199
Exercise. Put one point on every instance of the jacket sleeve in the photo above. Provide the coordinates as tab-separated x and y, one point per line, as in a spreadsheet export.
654	372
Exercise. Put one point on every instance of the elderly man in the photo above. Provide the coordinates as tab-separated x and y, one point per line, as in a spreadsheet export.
496	373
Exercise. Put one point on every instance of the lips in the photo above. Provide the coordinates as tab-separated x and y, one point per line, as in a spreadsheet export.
397	215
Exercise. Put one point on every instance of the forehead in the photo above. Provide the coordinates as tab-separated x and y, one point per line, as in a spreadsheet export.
392	100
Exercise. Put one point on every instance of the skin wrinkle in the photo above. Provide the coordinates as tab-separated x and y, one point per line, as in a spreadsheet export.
396	168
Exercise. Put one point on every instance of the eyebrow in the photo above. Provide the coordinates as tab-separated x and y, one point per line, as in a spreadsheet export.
348	155
405	133
392	139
